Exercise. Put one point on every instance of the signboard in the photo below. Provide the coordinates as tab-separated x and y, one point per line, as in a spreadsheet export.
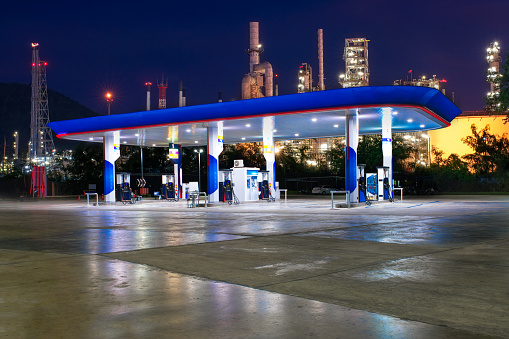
173	153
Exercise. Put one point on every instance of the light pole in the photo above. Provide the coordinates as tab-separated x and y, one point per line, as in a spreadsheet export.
200	151
109	99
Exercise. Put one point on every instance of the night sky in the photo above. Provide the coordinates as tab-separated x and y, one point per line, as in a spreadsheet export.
92	47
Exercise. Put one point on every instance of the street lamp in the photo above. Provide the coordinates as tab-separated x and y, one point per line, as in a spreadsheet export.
109	99
200	151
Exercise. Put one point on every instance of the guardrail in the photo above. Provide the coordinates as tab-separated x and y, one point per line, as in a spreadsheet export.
283	190
194	199
96	198
346	193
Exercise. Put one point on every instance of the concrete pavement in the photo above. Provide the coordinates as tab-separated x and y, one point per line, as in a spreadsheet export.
435	267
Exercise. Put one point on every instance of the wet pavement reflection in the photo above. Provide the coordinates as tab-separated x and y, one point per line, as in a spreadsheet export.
289	270
444	231
94	297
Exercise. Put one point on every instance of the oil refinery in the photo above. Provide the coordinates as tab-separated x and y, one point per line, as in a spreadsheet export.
259	82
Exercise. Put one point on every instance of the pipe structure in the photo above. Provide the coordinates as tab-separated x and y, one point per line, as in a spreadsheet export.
321	85
266	68
246	85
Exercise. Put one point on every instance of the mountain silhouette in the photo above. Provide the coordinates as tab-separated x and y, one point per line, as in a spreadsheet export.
15	115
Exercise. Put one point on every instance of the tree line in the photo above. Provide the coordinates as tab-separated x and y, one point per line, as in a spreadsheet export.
485	169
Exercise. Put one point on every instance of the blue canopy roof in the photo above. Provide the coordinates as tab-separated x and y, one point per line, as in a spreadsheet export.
297	116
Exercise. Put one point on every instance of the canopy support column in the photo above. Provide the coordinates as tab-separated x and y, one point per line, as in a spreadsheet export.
111	154
387	141
352	140
214	149
268	152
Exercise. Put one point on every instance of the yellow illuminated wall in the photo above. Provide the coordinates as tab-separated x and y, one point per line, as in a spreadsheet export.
449	139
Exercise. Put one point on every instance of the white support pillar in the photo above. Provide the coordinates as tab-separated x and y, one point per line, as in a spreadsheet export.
268	152
111	154
387	141
214	148
352	141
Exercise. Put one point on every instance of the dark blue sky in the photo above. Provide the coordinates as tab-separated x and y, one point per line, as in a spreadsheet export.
93	46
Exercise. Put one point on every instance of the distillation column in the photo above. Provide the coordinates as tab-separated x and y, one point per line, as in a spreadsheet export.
352	141
111	154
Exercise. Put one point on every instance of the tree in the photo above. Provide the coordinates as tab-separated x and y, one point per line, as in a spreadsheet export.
86	166
491	152
303	154
336	158
286	162
155	160
453	162
369	152
251	153
500	103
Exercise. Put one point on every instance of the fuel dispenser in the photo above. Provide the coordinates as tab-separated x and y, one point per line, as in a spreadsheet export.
226	192
264	186
361	180
123	191
384	187
223	174
168	187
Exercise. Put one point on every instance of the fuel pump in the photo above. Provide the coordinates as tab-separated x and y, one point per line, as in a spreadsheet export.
264	187
363	189
168	187
221	178
123	191
228	192
384	187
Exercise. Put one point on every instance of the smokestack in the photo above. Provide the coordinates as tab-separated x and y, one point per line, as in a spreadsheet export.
254	45
182	95
148	84
321	86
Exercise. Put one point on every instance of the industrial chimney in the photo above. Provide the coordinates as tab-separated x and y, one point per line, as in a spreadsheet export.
260	74
321	86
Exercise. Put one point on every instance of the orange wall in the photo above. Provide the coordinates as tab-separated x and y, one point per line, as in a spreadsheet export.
449	139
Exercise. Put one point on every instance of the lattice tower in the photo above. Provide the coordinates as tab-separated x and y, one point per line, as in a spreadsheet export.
41	137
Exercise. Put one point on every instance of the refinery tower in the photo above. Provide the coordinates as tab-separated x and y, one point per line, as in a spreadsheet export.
259	81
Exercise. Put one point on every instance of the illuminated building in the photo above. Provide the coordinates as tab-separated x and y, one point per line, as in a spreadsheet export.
356	63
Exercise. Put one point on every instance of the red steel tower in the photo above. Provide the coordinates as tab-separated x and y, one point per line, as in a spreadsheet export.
162	93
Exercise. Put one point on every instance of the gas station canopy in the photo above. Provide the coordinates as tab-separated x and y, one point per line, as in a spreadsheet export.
296	116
